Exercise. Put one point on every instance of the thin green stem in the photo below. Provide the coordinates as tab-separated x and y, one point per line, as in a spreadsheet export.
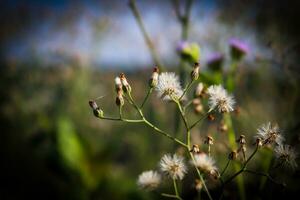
224	170
243	168
199	120
187	87
263	174
170	196
182	114
175	189
200	176
147	96
151	47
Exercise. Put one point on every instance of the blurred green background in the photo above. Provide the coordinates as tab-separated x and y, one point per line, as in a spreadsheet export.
57	55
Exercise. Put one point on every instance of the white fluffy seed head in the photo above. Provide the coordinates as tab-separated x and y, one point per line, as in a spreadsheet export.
204	163
168	86
220	99
173	166
286	156
270	134
149	180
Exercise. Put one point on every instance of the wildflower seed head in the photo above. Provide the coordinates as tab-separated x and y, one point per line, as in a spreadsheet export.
286	156
218	98
125	84
195	72
149	180
204	163
195	149
199	90
173	166
232	155
168	87
154	78
270	134
209	140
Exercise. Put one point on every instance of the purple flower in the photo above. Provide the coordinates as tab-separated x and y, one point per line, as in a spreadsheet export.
181	46
238	48
215	61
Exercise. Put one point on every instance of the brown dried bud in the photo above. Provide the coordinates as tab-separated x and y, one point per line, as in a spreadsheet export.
258	142
211	117
196	101
198	109
232	155
198	185
209	140
126	86
154	78
195	72
93	104
96	110
195	149
200	90
241	140
223	127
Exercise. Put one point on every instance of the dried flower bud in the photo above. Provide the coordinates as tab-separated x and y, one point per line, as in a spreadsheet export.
198	185
154	78
198	109
199	91
93	104
258	142
96	110
232	155
119	98
195	149
223	127
195	72
211	117
126	86
241	140
118	83
209	140
214	173
196	101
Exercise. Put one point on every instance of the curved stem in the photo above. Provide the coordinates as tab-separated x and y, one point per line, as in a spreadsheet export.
199	120
151	47
175	189
243	168
147	95
200	176
187	87
224	170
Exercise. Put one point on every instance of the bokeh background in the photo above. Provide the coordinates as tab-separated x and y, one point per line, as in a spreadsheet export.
57	55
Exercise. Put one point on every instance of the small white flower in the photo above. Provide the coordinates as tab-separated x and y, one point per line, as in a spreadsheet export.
270	134
168	86
219	98
205	163
173	167
149	180
286	156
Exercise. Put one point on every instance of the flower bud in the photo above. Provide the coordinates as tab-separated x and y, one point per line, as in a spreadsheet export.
118	83
196	102
198	185
209	140
195	149
199	90
211	117
119	98
198	109
154	78
241	140
258	142
96	110
126	86
232	155
223	127
195	72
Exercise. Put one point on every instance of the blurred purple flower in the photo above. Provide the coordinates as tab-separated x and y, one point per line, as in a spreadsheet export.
238	48
181	46
215	60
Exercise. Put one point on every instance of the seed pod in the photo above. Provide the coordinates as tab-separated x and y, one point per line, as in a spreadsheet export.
126	86
195	72
154	78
